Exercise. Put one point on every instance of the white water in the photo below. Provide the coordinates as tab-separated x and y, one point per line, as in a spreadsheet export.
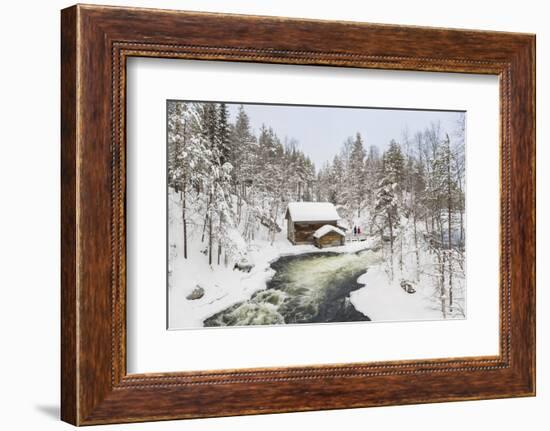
305	289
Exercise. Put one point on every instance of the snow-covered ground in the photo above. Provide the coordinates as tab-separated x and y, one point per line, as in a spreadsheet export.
382	300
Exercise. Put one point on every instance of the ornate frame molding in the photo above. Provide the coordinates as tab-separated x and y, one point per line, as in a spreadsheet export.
96	41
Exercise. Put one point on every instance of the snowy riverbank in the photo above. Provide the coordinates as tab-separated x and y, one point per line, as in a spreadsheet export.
383	300
223	286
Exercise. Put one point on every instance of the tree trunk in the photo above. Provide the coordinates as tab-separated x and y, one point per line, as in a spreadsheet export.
416	247
449	233
460	204
219	239
205	218
275	223
401	251
441	260
426	223
239	206
461	226
183	199
210	235
390	222
450	281
440	227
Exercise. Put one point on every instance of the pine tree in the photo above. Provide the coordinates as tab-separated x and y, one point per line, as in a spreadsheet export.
241	143
447	194
218	215
418	196
189	160
373	169
388	195
336	176
357	174
393	164
223	133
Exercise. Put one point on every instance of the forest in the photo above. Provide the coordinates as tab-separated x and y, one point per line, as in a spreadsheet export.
233	184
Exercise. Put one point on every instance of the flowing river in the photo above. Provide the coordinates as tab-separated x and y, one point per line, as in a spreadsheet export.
306	288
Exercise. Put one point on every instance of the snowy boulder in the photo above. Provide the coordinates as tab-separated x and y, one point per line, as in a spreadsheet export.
407	286
197	293
243	265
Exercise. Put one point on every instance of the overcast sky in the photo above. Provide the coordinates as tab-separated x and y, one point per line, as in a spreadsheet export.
320	131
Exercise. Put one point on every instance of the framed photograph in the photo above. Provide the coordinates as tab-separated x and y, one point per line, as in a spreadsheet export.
270	230
265	214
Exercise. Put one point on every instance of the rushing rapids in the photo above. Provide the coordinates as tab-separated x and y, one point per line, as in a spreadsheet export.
306	288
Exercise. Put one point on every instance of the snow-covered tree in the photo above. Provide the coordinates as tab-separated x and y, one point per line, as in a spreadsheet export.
373	168
358	187
387	200
190	156
223	132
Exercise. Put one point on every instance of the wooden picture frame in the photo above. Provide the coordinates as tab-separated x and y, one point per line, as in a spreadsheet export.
96	41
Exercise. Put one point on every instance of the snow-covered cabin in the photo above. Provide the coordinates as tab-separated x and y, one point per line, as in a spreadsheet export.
305	218
329	236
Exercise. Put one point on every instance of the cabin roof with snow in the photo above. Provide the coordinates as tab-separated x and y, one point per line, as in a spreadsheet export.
311	212
323	230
